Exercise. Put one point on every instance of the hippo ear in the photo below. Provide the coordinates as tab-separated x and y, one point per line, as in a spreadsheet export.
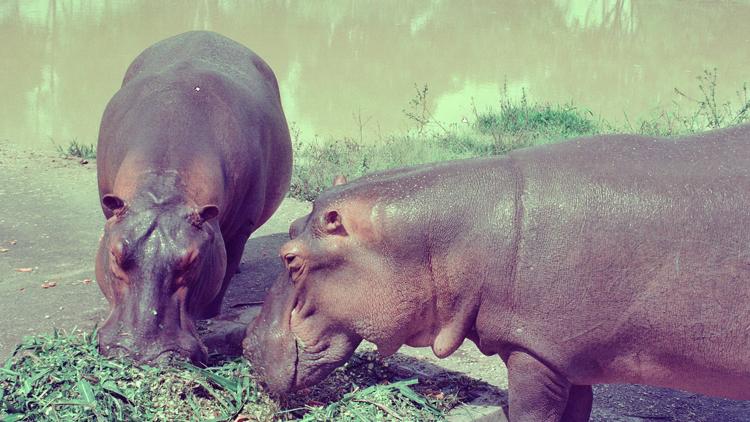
333	224
208	212
113	203
339	180
297	227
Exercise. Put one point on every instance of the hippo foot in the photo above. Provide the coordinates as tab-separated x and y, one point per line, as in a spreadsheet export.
224	338
224	334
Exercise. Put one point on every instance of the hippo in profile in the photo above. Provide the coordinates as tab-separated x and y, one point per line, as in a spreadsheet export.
611	259
193	155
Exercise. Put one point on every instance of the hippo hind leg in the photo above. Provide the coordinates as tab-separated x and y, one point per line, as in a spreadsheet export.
235	247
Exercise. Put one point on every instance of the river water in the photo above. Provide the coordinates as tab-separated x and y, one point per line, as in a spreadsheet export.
346	66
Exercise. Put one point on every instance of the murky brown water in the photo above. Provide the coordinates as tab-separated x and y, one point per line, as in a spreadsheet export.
341	62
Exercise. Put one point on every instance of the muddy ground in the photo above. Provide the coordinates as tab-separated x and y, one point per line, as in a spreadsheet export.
50	221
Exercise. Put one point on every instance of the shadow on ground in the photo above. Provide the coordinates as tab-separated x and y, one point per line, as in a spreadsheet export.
259	268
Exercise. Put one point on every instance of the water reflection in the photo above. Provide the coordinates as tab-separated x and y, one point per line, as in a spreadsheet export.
350	65
615	15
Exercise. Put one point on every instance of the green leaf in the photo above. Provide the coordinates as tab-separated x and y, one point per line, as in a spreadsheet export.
110	386
12	417
83	403
196	408
216	378
87	393
9	372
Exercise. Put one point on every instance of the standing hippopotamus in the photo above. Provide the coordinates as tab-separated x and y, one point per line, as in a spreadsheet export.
194	154
612	259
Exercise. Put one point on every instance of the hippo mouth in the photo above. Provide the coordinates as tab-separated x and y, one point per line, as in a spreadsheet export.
162	357
313	364
294	382
175	355
182	346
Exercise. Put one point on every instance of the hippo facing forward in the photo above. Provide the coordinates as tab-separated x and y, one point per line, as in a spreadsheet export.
614	259
194	154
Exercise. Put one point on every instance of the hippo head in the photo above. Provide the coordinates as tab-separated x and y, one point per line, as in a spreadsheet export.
158	264
341	286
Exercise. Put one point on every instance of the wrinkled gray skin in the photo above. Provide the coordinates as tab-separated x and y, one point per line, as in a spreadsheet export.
613	259
193	155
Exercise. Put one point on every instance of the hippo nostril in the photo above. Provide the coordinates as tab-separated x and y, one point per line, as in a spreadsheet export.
116	351
168	357
291	261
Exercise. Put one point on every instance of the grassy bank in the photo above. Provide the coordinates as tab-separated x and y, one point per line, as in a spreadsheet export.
513	123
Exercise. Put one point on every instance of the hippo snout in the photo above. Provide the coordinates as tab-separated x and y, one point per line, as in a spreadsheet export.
123	344
156	353
273	356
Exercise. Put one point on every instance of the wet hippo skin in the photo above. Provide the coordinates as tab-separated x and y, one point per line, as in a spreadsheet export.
193	155
611	259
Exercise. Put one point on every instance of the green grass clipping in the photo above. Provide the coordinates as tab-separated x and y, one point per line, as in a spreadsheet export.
62	377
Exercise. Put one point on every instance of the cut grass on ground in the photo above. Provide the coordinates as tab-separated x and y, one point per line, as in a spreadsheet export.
62	377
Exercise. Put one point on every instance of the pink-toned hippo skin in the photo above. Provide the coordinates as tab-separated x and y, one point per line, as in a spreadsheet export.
194	154
610	259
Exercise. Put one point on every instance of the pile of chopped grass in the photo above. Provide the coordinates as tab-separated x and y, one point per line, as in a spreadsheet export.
371	388
62	377
395	401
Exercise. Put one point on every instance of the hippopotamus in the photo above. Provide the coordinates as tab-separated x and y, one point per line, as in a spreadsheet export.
607	259
193	155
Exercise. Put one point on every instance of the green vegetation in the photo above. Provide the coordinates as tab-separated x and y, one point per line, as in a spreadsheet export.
62	377
515	123
76	150
394	401
694	114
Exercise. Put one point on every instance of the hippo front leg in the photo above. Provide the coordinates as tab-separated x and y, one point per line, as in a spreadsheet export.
538	393
234	249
